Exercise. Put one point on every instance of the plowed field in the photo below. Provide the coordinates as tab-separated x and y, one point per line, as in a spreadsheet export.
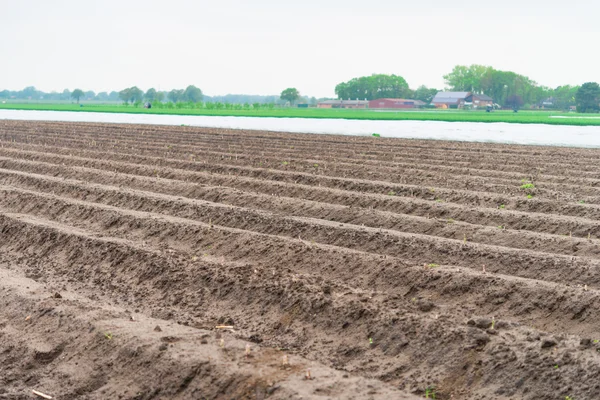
390	268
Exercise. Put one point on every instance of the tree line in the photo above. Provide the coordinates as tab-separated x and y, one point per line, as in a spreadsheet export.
507	88
136	95
190	94
31	93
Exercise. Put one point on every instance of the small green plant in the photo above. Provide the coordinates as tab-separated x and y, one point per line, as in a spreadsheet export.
432	265
316	165
555	366
371	341
530	196
391	193
450	221
376	135
439	200
502	207
493	323
581	201
500	227
430	392
528	186
108	335
569	398
285	163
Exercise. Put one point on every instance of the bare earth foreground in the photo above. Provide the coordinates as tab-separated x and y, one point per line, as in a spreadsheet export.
392	269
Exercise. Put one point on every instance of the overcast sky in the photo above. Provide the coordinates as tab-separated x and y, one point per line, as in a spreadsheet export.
265	46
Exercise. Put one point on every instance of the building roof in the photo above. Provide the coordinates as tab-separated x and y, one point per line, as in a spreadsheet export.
483	97
417	102
450	97
355	102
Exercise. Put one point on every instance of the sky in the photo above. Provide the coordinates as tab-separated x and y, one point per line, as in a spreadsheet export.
265	46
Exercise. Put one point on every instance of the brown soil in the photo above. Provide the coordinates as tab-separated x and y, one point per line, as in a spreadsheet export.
361	259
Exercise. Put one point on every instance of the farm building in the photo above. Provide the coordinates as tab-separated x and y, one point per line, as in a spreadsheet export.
459	99
343	104
450	99
479	100
547	103
395	103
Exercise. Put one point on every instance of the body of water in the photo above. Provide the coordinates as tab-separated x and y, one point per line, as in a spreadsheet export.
532	134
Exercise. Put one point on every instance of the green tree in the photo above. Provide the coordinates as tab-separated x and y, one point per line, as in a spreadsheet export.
564	96
132	94
193	94
77	94
150	95
290	94
500	85
458	79
588	98
30	92
124	95
515	102
372	87
113	96
175	95
425	94
469	78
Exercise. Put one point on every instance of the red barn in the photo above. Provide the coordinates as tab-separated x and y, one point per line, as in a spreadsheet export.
395	103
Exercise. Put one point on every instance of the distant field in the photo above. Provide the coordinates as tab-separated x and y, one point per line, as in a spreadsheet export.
523	117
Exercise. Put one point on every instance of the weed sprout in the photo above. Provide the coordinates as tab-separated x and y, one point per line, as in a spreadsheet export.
430	393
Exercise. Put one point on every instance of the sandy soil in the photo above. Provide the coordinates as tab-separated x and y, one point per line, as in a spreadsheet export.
390	268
